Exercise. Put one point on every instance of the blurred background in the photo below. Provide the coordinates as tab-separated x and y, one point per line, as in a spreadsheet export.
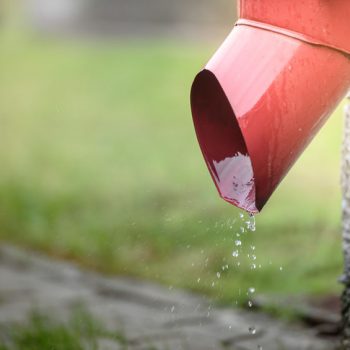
100	163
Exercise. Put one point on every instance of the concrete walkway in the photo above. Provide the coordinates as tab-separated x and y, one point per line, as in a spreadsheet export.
148	315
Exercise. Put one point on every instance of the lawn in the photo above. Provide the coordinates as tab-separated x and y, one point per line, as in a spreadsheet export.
80	332
100	165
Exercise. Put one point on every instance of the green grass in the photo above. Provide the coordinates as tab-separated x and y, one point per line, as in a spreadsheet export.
80	332
99	164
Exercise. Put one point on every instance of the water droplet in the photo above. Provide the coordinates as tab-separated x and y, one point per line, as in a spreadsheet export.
253	266
235	254
253	257
251	225
250	303
281	268
238	243
241	215
218	274
213	284
242	229
172	309
252	330
225	267
198	280
230	327
252	247
251	290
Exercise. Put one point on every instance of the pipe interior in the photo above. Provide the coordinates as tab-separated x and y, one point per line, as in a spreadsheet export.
222	142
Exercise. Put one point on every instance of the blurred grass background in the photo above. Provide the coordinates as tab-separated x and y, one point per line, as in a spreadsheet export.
100	165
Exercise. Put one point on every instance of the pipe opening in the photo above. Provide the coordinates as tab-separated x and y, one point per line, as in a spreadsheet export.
222	142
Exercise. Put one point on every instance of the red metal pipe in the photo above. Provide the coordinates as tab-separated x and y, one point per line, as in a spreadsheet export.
267	91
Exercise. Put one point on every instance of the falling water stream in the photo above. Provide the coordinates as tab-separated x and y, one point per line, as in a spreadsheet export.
243	256
245	225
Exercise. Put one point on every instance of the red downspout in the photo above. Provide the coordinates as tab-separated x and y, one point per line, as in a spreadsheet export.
268	90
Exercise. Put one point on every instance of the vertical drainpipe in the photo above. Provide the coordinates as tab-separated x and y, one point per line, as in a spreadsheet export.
345	181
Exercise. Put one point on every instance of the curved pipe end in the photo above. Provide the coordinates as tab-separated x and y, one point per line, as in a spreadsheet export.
222	143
